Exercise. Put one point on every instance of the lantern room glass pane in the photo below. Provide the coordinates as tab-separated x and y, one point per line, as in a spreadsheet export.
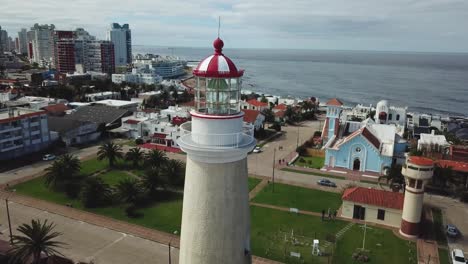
217	96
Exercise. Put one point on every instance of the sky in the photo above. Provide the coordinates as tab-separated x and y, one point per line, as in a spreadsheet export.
392	25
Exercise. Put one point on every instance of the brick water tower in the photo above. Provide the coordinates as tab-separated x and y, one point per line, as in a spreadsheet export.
216	217
417	172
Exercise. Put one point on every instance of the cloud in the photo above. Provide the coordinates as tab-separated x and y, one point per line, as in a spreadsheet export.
342	24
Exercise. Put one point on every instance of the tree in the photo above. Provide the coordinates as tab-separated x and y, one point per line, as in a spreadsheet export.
35	239
155	158
63	174
95	192
134	155
111	152
174	172
128	190
152	180
269	115
263	99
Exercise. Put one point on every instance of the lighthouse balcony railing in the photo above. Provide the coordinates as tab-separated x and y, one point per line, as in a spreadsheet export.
221	141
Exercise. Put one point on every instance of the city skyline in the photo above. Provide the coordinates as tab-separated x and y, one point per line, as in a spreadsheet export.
401	25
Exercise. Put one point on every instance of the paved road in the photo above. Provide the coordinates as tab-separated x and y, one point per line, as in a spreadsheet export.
456	213
89	242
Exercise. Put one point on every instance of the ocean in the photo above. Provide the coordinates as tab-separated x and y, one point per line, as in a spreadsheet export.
425	82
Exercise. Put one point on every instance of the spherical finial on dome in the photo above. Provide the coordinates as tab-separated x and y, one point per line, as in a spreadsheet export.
218	45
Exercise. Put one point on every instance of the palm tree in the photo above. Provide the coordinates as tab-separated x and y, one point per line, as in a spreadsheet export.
128	190
65	169
134	155
111	152
36	239
174	171
152	180
155	158
95	192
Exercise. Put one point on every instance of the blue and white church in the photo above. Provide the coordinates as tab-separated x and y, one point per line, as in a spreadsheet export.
366	147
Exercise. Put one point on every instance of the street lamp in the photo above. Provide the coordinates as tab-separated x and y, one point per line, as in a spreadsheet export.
273	173
9	221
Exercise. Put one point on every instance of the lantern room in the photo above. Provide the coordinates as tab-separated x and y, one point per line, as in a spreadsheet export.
218	84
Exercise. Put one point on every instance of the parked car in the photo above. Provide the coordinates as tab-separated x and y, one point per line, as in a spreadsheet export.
458	257
257	150
452	231
48	157
325	182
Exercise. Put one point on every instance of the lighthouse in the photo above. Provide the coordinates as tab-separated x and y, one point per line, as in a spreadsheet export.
216	217
417	172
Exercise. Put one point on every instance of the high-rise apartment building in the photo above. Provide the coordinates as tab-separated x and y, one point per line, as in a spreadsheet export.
121	36
42	43
64	51
3	41
23	41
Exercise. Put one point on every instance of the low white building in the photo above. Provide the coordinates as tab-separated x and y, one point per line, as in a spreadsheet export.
120	104
432	142
93	97
254	117
386	114
254	104
372	205
8	95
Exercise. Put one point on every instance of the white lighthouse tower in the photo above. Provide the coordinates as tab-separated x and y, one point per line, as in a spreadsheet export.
417	172
216	218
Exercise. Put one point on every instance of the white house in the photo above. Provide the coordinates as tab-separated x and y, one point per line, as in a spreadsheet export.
254	104
432	142
102	96
372	205
120	104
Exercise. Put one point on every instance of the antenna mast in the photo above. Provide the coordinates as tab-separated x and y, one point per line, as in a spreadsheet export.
219	25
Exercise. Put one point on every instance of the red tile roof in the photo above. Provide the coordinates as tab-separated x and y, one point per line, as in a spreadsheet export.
335	102
280	114
56	108
420	161
257	103
372	139
250	115
380	198
455	165
131	121
280	107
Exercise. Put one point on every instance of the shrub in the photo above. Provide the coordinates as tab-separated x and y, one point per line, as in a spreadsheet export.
139	141
301	160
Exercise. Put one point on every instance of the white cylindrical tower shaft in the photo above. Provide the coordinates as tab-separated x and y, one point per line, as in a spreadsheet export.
216	216
417	171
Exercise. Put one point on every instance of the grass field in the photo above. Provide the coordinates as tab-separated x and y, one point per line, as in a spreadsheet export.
93	165
37	189
310	162
439	231
298	197
314	173
444	256
253	182
272	232
114	177
383	246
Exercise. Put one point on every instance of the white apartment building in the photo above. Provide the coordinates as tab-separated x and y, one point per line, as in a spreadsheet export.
22	131
137	76
23	41
42	43
120	104
121	36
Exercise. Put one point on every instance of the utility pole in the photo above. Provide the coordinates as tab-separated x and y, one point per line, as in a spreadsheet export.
170	251
273	174
297	142
365	229
9	221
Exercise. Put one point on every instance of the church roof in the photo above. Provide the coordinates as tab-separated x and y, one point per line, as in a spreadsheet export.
380	198
334	102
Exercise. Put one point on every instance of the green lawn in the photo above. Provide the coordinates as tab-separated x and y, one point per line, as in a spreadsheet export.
384	247
253	182
314	173
439	230
310	162
93	165
36	188
298	197
272	231
114	177
444	256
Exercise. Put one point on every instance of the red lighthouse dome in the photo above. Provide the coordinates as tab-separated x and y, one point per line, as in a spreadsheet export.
217	65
